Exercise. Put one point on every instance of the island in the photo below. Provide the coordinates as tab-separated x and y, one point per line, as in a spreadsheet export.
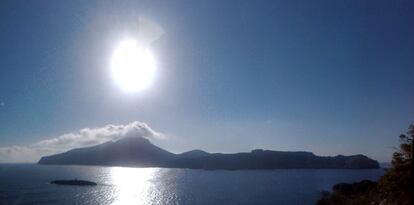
75	182
140	152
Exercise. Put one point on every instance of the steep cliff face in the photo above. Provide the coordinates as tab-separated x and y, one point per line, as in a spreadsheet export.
137	151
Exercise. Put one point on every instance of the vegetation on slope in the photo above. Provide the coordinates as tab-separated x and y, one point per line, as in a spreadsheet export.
394	188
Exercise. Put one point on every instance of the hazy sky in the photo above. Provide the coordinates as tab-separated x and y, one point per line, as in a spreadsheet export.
331	77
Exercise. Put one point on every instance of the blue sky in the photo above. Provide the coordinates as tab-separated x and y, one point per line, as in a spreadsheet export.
331	77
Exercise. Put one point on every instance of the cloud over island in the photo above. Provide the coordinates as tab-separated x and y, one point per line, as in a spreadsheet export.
83	138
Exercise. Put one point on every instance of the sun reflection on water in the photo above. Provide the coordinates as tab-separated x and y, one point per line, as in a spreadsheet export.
133	185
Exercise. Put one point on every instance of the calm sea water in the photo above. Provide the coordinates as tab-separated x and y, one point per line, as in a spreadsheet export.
29	184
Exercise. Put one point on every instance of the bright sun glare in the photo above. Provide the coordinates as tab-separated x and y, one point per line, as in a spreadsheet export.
133	67
133	185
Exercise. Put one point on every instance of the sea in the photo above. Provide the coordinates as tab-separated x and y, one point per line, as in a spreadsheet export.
30	184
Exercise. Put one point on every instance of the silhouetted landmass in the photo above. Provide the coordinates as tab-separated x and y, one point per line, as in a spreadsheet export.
74	182
394	188
342	193
130	151
137	151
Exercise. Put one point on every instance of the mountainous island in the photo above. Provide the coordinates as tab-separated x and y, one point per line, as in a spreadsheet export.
140	152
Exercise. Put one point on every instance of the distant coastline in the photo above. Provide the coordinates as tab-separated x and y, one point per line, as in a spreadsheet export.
140	152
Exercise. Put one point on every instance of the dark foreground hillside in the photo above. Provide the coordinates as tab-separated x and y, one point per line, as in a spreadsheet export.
394	188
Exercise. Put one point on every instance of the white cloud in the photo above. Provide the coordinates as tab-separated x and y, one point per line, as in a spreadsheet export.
83	138
148	31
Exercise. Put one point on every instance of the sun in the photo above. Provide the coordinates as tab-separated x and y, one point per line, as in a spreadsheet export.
132	66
